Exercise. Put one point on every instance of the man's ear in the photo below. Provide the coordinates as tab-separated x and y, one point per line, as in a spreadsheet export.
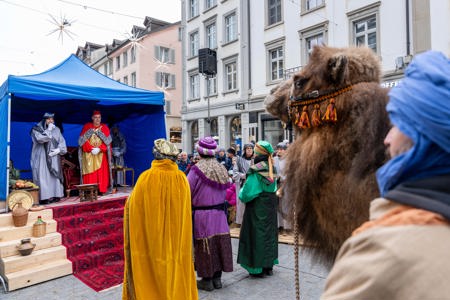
276	102
338	68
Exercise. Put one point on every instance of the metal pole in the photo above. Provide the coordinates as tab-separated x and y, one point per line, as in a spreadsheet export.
208	120
8	149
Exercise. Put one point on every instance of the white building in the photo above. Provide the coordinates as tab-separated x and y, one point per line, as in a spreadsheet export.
261	42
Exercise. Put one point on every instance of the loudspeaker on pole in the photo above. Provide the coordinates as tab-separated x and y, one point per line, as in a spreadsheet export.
207	61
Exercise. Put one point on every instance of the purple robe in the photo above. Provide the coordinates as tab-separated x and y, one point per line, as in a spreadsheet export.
212	241
205	192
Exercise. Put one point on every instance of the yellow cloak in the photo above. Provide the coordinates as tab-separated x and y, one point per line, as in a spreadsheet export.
158	236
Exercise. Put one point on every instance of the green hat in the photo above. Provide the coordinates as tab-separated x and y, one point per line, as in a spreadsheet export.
263	147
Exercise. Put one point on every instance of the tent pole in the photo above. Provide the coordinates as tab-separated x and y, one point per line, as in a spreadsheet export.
8	147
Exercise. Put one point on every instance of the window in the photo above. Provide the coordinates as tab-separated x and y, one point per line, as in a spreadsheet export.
230	27
312	4
365	32
194	133
272	129
364	23
105	69
211	36
175	134
211	86
235	131
125	58
125	80
165	80
312	36
214	128
193	44
194	86
110	68
165	55
133	55
312	41
210	3
117	62
133	79
276	60
193	8
273	12
230	76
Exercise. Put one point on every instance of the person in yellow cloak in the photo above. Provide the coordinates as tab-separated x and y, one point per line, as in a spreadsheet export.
158	232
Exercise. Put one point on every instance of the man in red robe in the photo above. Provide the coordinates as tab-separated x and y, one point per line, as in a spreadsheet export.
95	153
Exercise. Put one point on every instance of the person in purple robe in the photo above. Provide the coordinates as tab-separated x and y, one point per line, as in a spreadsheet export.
209	182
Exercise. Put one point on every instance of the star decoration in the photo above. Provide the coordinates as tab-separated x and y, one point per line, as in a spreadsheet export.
62	25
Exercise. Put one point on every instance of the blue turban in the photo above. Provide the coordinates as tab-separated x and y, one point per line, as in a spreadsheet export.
420	107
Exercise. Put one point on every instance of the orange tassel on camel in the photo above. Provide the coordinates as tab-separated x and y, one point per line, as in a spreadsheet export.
330	115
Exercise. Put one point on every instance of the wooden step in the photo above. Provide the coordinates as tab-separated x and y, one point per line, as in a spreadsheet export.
9	248
9	233
48	271
7	220
17	263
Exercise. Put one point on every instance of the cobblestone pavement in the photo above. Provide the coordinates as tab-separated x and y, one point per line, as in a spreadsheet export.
236	285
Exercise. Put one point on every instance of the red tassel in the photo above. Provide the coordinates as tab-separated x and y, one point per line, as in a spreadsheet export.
304	118
330	115
315	117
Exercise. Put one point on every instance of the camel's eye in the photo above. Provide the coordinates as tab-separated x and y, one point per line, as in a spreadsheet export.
300	82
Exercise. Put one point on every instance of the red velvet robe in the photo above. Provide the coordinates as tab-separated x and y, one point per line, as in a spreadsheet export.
102	175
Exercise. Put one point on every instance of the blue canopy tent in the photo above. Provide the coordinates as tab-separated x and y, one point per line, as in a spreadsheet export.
72	90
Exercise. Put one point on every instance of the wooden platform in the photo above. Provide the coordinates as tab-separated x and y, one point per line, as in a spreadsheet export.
47	261
282	238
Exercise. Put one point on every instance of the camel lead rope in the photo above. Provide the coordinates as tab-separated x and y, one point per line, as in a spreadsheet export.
296	250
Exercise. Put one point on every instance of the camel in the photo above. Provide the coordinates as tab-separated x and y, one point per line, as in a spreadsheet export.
337	108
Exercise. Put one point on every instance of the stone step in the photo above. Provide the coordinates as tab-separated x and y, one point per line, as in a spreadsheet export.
9	233
9	248
17	263
7	220
51	270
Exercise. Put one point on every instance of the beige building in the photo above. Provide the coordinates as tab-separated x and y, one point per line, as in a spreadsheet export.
150	59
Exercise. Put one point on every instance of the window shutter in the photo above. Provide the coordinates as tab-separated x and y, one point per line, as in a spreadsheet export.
168	108
157	53
172	81
158	79
172	56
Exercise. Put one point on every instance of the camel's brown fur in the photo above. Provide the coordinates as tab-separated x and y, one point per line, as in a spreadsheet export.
331	169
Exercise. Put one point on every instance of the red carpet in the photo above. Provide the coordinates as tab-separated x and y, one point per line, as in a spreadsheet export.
92	232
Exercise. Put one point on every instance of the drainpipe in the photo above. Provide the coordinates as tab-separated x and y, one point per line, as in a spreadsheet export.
249	48
408	41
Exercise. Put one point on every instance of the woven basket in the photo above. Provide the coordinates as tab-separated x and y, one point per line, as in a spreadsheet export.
20	221
39	229
20	215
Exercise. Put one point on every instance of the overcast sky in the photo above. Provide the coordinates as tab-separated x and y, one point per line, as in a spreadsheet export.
27	45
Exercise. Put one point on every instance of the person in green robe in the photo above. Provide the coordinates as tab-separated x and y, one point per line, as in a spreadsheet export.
258	240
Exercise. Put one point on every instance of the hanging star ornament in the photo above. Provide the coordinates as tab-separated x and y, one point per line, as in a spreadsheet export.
62	25
134	38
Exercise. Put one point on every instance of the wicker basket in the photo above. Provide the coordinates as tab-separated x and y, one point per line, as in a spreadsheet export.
20	221
39	229
20	215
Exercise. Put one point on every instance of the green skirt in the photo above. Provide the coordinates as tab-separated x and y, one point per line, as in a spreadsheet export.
258	239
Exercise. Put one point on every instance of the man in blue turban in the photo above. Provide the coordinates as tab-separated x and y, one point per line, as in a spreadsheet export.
401	253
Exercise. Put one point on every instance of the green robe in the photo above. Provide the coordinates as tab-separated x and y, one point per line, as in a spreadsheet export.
258	240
